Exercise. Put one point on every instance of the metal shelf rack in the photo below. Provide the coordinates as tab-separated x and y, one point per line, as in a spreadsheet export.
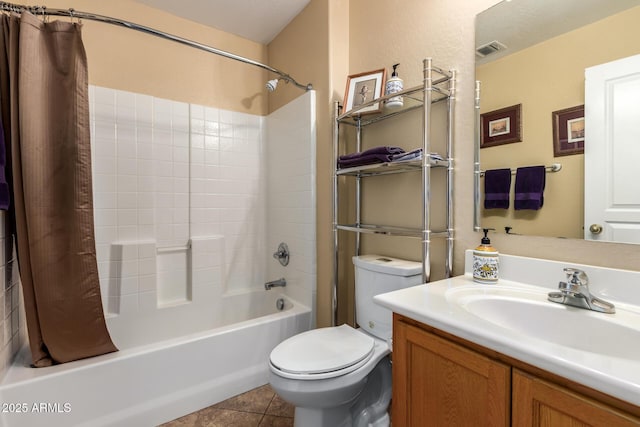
438	86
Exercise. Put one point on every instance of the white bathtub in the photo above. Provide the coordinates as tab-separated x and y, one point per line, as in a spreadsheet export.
154	383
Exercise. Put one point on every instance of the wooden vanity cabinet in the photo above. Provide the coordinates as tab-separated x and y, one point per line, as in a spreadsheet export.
539	403
439	381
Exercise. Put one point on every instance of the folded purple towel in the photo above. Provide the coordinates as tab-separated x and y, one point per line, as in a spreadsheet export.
375	150
364	160
529	188
497	186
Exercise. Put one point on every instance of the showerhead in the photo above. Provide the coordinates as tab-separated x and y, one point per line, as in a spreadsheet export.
272	84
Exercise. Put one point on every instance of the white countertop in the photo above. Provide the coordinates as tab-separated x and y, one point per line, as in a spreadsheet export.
616	376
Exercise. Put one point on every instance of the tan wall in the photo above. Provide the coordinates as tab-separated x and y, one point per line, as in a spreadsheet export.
533	78
314	47
123	59
384	33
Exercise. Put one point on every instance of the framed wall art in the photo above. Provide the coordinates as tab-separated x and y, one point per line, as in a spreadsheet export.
503	126
568	131
362	89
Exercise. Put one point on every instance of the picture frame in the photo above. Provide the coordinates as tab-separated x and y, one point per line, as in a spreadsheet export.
503	126
568	131
363	88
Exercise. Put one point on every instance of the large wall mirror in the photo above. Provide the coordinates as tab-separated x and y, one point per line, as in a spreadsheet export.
532	57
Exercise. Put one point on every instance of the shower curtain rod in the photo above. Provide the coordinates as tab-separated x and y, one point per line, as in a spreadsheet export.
72	13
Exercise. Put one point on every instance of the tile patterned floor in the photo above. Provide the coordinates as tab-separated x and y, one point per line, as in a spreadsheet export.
260	407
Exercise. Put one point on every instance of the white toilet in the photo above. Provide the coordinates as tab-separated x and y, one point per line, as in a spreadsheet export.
341	376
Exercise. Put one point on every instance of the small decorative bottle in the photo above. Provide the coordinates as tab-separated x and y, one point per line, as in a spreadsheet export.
393	85
486	263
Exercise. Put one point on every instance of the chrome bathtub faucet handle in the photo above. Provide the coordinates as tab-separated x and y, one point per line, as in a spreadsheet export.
282	254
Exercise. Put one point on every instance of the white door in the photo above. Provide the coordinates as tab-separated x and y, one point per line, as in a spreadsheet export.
612	151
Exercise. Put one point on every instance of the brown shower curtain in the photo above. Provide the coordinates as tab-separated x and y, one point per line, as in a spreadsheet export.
45	116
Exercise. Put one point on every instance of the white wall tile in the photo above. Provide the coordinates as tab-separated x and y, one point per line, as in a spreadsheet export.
146	216
104	95
180	123
127	166
147	283
171	172
161	113
197	126
128	233
147	301
125	116
147	266
105	127
146	250
128	304
161	136
212	114
106	166
144	111
125	99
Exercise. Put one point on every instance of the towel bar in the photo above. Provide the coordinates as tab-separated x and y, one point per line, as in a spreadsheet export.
555	167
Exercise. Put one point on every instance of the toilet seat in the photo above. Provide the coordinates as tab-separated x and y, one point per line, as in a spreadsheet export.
322	353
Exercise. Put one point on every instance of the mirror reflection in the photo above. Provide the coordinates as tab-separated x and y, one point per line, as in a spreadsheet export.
531	62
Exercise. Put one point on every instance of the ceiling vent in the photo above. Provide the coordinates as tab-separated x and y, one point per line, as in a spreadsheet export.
489	48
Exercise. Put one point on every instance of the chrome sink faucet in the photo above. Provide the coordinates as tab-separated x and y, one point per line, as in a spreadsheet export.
280	282
575	292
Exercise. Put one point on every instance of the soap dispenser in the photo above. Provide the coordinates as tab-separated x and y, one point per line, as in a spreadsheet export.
486	263
393	85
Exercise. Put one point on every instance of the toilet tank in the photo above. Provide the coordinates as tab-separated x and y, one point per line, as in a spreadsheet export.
376	274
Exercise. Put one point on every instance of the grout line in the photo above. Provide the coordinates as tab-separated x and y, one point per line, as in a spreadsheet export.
270	402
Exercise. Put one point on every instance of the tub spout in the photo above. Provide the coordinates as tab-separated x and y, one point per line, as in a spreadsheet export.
280	282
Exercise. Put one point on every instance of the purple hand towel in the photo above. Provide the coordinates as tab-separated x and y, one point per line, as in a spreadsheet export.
384	150
497	186
529	191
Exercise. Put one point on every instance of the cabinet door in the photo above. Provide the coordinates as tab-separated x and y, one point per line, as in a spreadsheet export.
540	403
439	383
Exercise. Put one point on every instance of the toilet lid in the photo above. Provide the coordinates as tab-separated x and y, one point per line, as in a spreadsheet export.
323	351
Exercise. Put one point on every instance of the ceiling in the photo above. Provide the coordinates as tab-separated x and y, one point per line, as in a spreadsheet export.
256	20
522	23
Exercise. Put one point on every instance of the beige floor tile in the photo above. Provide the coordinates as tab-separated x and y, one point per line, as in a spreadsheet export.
260	407
256	400
187	420
213	417
273	421
280	407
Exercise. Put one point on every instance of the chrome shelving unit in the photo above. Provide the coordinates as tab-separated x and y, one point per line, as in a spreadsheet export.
438	86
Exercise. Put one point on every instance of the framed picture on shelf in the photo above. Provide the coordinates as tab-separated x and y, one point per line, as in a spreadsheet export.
568	131
363	88
501	126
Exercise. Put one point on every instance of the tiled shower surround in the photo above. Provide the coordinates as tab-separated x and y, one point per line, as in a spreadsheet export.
191	201
13	331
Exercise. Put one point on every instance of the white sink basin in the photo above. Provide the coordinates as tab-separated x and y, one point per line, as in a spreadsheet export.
528	312
514	318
